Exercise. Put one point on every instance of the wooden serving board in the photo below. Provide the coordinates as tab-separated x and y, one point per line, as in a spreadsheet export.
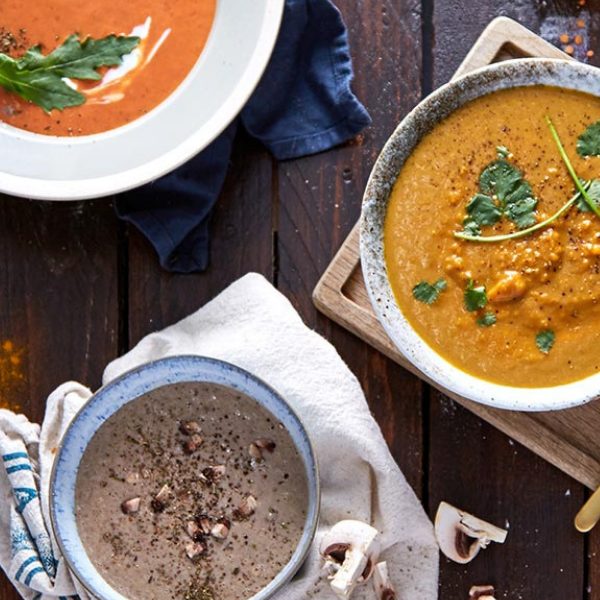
569	439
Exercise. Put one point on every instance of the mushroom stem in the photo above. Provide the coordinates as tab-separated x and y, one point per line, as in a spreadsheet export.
382	583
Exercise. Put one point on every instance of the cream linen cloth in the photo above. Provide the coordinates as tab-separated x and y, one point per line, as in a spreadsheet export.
253	326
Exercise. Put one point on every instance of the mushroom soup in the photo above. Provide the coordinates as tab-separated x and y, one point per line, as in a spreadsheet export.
522	307
188	492
172	36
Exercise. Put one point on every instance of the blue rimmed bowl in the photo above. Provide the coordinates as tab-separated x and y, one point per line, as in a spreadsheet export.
109	399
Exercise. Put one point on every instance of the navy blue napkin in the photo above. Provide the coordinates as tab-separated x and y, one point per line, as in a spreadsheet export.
302	105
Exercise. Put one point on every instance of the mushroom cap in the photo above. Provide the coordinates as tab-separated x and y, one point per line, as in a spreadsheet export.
460	535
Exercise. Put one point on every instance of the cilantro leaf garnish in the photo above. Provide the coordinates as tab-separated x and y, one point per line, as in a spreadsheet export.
505	182
429	292
483	210
593	191
475	297
544	340
39	78
487	320
588	143
471	229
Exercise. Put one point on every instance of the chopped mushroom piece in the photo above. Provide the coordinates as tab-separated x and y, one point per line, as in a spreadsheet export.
382	584
264	444
131	506
190	427
482	592
221	529
192	444
212	474
194	530
460	535
350	549
255	452
160	501
194	549
247	507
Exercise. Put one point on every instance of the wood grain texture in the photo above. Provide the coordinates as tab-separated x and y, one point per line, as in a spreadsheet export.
58	309
319	201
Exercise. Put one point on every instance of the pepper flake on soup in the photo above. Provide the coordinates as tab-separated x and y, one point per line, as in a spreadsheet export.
503	198
71	68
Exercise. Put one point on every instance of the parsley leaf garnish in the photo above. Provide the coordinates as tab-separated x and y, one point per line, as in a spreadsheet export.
588	143
544	340
475	297
429	292
487	320
39	78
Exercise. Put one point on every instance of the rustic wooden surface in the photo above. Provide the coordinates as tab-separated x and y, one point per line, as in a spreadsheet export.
78	288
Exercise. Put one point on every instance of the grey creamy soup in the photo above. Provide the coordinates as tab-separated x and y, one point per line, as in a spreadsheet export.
191	492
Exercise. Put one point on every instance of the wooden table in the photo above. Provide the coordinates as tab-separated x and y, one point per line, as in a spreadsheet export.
78	288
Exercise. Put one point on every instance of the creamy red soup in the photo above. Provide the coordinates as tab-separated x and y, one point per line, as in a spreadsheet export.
172	34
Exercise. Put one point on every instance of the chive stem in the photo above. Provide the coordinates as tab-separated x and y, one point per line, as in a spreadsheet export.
569	166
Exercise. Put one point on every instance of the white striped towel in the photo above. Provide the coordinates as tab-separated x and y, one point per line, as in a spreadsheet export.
28	551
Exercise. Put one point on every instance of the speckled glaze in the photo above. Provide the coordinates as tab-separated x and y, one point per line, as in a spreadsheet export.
119	392
430	112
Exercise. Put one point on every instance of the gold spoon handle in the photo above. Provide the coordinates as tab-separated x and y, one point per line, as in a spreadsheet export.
589	514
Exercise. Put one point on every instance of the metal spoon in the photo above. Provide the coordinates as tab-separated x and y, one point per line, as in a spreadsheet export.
589	514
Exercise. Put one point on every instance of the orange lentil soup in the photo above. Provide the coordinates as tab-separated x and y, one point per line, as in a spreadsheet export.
176	35
546	281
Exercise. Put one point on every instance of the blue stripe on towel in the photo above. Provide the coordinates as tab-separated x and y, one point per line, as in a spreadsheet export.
24	497
16	468
14	455
32	574
25	564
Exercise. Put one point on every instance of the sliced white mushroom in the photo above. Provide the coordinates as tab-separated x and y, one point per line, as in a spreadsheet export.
350	549
460	535
481	592
384	589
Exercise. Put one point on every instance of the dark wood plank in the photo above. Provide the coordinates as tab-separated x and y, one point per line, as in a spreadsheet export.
58	314
470	463
241	241
479	469
319	202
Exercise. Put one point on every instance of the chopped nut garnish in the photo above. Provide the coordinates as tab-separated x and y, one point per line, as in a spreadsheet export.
221	529
131	506
265	444
160	501
247	507
212	474
481	592
190	446
194	549
190	427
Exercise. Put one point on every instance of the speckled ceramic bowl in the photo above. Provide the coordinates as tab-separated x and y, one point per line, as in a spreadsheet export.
109	399
430	112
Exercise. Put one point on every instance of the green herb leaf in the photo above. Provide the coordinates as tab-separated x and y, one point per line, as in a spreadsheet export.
429	292
487	320
515	196
503	151
483	210
545	340
475	297
593	192
588	143
471	228
39	78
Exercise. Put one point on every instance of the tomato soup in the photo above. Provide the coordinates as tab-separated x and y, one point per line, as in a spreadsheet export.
538	324
172	34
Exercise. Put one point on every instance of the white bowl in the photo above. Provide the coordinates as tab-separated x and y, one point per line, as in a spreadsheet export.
59	168
430	112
